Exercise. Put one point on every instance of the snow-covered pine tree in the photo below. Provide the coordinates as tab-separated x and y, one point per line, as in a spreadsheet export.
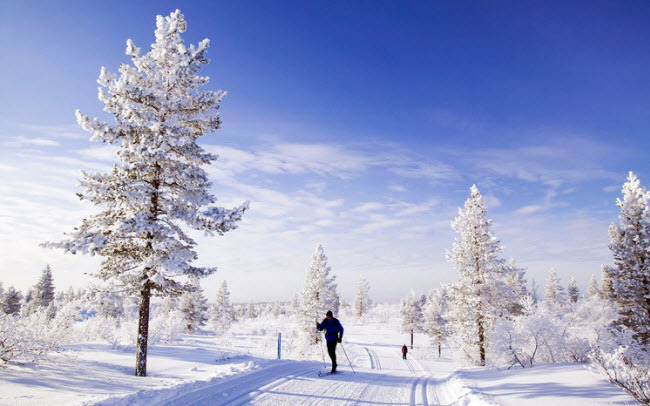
554	295
481	294
573	291
411	314
193	305
593	290
158	185
607	283
30	304
11	301
222	312
434	311
250	311
630	246
69	295
318	295
295	304
516	281
534	293
44	289
362	300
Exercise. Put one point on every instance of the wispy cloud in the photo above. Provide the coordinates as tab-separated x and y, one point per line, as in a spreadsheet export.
18	141
553	163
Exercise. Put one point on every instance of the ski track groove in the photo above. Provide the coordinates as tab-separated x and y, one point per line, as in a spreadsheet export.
414	387
262	390
239	386
425	397
408	364
372	361
434	391
375	363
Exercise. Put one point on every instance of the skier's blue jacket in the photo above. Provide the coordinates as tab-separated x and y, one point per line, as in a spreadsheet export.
332	329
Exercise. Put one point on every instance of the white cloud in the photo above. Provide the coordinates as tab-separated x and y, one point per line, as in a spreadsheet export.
20	141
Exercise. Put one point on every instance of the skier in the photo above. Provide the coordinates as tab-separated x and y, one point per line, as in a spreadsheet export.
404	351
333	334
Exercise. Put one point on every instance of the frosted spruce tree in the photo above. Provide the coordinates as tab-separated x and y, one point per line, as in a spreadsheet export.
411	314
362	300
44	289
318	295
158	186
593	291
436	325
573	291
630	246
516	281
607	283
481	294
222	312
11	301
193	305
554	295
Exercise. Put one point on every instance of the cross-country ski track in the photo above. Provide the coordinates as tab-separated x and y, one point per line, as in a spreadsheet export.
297	383
382	377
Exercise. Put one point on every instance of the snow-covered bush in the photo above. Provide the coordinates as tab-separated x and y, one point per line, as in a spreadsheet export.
543	334
166	327
30	338
626	365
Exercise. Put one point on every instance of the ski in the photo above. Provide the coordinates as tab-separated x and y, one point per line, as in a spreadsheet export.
326	373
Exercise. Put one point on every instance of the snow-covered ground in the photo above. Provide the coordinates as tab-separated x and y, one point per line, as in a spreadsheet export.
201	369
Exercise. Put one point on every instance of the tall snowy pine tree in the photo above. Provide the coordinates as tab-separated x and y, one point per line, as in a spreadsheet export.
481	295
44	289
593	290
630	246
411	314
434	316
222	312
362	300
319	294
573	291
554	295
158	185
193	305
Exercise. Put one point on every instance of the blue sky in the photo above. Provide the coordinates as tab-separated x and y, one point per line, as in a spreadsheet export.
361	125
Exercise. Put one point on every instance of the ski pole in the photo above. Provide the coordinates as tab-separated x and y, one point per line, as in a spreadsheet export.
346	356
322	354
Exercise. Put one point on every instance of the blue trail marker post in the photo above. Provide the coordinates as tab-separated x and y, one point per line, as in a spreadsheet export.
279	345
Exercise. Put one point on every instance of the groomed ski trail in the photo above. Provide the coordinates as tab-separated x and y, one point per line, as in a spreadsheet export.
382	378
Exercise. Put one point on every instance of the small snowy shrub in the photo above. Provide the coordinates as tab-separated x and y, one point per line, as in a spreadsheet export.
30	338
166	327
626	365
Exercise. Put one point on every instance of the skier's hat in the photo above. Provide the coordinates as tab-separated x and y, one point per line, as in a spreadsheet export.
329	313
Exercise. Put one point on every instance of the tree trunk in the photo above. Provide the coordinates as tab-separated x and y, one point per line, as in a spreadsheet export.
439	351
481	341
411	339
143	332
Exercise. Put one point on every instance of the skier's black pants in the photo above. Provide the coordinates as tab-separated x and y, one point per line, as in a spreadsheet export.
404	355
331	350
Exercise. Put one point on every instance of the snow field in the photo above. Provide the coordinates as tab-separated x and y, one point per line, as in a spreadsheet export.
204	369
